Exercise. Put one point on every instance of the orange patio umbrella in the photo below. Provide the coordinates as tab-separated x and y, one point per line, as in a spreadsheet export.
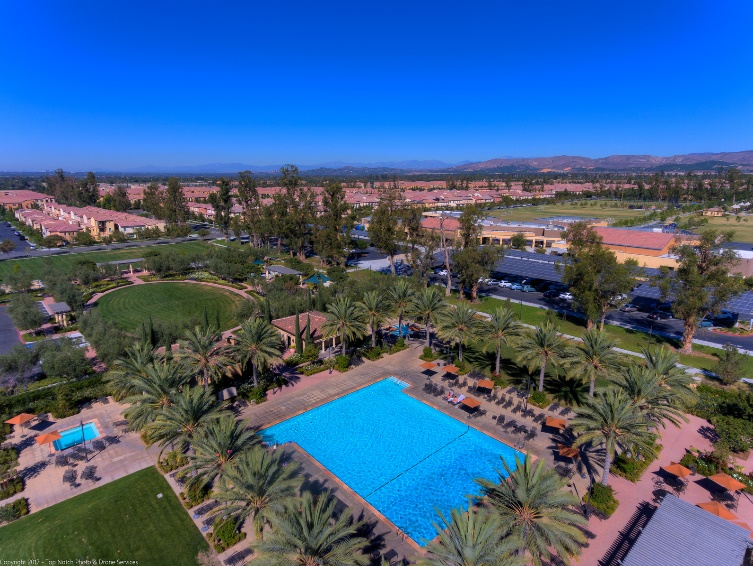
568	451
20	419
719	510
450	369
428	365
677	470
48	438
727	482
554	422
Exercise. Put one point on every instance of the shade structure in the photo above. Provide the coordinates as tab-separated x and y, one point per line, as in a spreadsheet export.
471	403
727	482
555	422
568	451
48	437
719	510
428	365
451	369
228	393
486	384
677	470
20	419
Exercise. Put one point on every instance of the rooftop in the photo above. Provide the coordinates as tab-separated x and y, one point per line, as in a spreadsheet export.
282	270
635	238
287	324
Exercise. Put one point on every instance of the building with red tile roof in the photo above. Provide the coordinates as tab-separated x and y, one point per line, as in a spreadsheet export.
642	242
23	199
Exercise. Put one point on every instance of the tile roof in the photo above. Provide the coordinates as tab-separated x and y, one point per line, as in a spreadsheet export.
282	270
18	197
681	533
287	324
635	238
432	223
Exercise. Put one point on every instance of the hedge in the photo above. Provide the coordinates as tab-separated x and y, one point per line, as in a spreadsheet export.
602	499
632	468
15	510
11	488
225	534
172	462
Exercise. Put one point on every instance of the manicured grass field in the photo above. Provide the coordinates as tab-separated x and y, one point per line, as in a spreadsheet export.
529	213
37	266
743	230
123	520
128	307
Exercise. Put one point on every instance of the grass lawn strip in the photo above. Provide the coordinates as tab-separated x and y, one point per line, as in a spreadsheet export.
123	520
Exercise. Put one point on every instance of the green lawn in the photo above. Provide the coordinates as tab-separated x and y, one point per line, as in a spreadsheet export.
743	230
528	213
37	266
123	520
129	306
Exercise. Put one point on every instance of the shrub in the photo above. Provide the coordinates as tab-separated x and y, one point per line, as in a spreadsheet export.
11	488
736	433
294	360
8	460
310	353
342	363
257	394
15	510
225	534
172	462
399	346
539	398
311	369
372	353
602	499
632	468
702	465
195	496
428	355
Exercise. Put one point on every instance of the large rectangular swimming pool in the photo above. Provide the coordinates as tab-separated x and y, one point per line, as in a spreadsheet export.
402	456
72	436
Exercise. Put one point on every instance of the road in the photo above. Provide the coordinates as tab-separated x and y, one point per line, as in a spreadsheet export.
8	334
22	246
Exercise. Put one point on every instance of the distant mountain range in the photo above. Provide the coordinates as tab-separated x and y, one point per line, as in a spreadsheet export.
220	168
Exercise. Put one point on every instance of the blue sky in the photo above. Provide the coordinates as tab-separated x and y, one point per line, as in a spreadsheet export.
125	84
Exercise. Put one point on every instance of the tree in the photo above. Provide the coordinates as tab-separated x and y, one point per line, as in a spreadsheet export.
594	356
298	337
446	249
374	308
7	246
295	210
88	193
729	366
611	420
474	264
344	319
19	279
518	242
502	328
702	281
120	200
663	363
422	257
250	201
153	391
84	238
470	226
202	352
332	227
187	413
425	307
595	277
222	202
536	509
24	312
384	228
259	344
474	538
62	360
459	325
540	346
400	295
154	200
650	398
19	361
312	534
259	485
125	370
174	208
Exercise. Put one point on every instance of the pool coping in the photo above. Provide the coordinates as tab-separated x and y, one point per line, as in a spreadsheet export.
94	421
406	538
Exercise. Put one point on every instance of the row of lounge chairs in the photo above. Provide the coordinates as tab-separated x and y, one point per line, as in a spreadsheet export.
89	473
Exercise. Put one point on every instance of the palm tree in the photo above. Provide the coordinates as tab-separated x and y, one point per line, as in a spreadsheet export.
217	447
202	352
374	308
542	345
258	485
613	420
459	325
663	362
400	296
651	398
181	420
536	509
259	343
500	330
427	306
153	392
595	357
133	364
311	535
344	319
475	538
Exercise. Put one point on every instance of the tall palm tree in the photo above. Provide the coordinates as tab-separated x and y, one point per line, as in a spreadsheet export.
400	296
426	306
258	485
184	417
153	392
311	535
374	308
536	509
203	353
651	398
612	420
257	343
539	347
344	319
595	357
217	447
475	538
502	328
131	365
459	325
663	362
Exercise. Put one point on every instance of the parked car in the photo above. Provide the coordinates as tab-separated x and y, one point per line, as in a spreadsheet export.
516	286
551	294
567	296
659	315
722	315
504	283
630	307
492	282
705	323
528	289
442	272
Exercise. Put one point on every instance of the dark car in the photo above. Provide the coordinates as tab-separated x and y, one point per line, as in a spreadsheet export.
551	294
630	307
659	315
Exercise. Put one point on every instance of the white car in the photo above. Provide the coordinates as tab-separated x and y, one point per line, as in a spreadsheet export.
566	296
504	283
492	282
442	272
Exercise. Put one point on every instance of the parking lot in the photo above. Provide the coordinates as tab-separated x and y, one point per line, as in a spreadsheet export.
6	233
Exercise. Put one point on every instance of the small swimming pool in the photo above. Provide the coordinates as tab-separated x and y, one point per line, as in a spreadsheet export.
402	456
73	436
404	330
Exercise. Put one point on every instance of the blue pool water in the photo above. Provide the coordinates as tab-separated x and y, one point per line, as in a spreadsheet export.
402	456
404	330
72	436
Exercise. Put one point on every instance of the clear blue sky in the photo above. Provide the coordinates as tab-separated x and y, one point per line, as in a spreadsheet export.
124	84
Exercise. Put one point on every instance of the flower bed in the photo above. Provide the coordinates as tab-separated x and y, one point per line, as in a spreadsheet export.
632	468
225	534
172	462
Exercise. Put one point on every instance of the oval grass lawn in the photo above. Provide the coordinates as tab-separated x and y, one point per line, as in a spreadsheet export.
168	302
